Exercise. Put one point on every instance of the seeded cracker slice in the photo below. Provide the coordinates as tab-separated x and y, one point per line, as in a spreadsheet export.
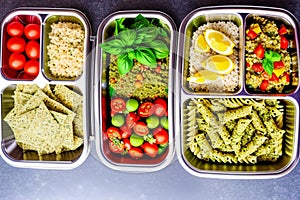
47	90
78	122
27	88
20	99
68	97
43	131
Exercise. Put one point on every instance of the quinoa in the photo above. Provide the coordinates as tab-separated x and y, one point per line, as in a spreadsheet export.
143	82
230	81
66	50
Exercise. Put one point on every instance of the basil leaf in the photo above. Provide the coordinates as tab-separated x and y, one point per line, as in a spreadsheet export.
272	56
268	66
119	26
131	55
146	34
124	64
114	46
159	48
127	36
112	91
146	57
139	22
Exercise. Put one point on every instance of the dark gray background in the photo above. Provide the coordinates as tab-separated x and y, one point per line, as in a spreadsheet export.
92	180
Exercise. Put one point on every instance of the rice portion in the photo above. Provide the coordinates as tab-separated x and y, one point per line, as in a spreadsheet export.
66	50
230	81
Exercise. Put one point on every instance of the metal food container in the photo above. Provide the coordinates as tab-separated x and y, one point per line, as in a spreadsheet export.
61	103
145	161
207	145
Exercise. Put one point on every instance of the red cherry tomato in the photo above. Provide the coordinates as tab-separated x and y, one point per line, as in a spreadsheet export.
127	144
32	31
131	119
118	105
264	85
282	30
135	153
160	107
284	43
140	128
161	136
257	67
31	67
113	133
125	131
32	49
287	77
251	34
274	78
146	109
116	148
16	44
259	51
15	29
17	61
278	65
150	149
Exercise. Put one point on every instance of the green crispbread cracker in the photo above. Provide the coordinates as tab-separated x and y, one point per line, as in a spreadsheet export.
54	105
78	122
20	99
66	130
78	141
33	102
59	117
27	88
68	97
47	90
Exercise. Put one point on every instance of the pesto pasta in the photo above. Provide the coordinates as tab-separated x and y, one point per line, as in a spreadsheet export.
234	130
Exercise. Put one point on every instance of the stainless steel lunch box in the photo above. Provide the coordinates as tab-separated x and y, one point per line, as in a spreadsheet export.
90	84
239	16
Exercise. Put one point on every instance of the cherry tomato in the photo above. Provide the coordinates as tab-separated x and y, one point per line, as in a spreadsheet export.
125	131
140	128
118	105
31	67
131	119
150	149
264	85
265	75
251	34
161	136
257	67
127	144
278	65
274	78
146	109
116	148
16	44
284	43
259	51
113	133
32	31
135	153
282	30
32	49
15	29
160	107
17	61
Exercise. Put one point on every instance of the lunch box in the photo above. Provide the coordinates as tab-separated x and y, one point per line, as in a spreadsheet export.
90	84
192	103
186	102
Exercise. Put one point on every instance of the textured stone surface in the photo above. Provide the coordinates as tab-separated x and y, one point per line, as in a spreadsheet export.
93	180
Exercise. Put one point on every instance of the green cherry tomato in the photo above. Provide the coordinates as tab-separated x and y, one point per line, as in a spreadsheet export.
152	121
118	120
136	140
164	122
162	148
132	105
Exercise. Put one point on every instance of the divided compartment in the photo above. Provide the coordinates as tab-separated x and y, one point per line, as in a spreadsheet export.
273	38
191	60
261	169
16	24
73	149
119	161
75	52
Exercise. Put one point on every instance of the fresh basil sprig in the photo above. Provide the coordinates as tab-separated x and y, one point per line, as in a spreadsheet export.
142	40
268	61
